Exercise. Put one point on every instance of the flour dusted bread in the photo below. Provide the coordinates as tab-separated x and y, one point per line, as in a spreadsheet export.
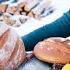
53	50
12	51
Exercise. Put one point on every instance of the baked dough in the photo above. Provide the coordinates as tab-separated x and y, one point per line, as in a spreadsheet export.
53	50
12	51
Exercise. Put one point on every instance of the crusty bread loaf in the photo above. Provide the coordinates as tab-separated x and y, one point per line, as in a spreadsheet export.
53	50
12	51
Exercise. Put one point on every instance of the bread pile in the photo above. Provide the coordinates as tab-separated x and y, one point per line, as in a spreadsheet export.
55	50
35	9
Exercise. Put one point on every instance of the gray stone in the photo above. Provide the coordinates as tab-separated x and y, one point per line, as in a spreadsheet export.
35	64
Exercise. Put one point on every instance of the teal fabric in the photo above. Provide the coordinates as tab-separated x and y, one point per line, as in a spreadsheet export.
58	28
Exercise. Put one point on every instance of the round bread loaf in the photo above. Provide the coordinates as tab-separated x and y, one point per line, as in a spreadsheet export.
53	50
12	51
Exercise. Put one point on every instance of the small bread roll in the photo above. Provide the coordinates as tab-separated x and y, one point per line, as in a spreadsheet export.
14	9
12	51
26	8
7	18
21	6
3	7
30	14
53	50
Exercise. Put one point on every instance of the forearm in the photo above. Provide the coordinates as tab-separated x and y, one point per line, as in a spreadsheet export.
59	28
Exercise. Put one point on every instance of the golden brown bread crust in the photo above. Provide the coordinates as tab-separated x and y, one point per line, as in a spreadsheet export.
53	50
12	51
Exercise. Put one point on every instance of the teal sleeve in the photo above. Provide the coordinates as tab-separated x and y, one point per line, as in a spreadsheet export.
58	28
